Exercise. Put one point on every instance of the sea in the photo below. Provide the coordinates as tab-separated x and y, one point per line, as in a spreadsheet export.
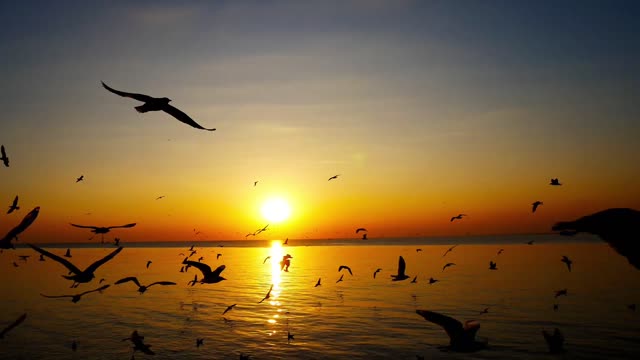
361	317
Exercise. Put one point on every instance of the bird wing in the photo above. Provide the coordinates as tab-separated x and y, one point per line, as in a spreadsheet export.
265	259
4	154
122	226
139	97
127	279
15	201
204	268
57	258
401	266
15	323
345	267
360	229
94	290
471	327
84	226
452	326
98	263
162	283
182	117
56	296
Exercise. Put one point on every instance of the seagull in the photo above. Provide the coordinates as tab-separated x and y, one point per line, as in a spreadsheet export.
268	295
4	157
417	250
5	242
461	337
218	256
567	261
14	206
333	177
449	250
492	265
447	265
485	311
157	104
500	251
41	258
228	308
75	298
18	321
341	276
68	253
101	281
160	197
360	229
555	182
535	205
555	341
375	272
142	288
265	259
103	230
208	276
285	263
199	342
289	336
79	276
364	236
202	258
345	267
80	178
148	263
433	281
116	242
459	216
138	345
415	279
255	183
15	264
401	268
318	283
561	292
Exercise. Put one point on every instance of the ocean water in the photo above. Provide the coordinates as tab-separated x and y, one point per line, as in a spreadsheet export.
358	318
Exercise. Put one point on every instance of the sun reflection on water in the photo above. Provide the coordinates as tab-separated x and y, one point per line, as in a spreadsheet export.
276	257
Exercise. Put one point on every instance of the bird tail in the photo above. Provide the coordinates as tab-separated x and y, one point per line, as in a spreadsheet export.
142	108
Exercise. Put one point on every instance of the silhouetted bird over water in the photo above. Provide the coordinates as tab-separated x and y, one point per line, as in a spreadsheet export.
461	337
18	321
14	206
375	272
447	265
401	271
555	182
228	308
157	104
500	251
567	261
68	253
618	227
341	267
333	177
143	288
555	341
341	277
449	250
364	236
535	205
80	178
459	216
318	283
286	262
485	311
148	263
433	281
4	157
415	279
103	229
208	276
268	294
360	229
199	342
138	344
561	292
492	265
75	298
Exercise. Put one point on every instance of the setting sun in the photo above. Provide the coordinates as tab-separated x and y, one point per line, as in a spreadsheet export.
276	210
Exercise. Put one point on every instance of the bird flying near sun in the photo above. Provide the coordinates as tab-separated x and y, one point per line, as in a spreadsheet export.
103	230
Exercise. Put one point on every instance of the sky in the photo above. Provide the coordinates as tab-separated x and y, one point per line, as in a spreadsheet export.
426	109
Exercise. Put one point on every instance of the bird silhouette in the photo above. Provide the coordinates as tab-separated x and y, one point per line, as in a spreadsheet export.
459	216
75	298
142	288
318	283
199	342
415	279
103	229
138	344
157	104
360	229
567	261
218	256
79	276
286	262
492	265
375	272
268	295
41	258
17	322
208	276
555	182
14	206
289	336
160	197
341	267
341	277
432	281
265	259
535	205
500	251
561	292
617	226
228	308
449	250
401	271
148	263
486	310
68	253
4	157
447	265
461	337
286	242
333	177
5	242
80	178
364	236
555	341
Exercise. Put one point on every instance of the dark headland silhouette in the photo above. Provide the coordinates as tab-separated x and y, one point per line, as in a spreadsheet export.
619	227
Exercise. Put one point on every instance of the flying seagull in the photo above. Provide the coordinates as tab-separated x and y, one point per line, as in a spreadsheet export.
143	288
375	272
432	281
80	178
567	261
75	298
555	182
461	337
345	267
360	229
341	277
459	216
265	259
415	279
492	265
138	345
103	230
255	183
318	283
535	205
561	292
449	250
500	251
159	197
208	276
401	268
148	263
18	321
4	157
617	226
199	342
68	253
447	265
79	276
156	104
555	341
5	242
333	177
268	294
14	206
228	308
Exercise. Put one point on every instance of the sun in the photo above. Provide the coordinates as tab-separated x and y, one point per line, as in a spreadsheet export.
276	210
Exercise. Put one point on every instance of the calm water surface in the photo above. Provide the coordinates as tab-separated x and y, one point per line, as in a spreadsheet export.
358	318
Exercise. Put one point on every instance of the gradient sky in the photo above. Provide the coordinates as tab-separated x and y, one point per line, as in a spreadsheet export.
426	108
